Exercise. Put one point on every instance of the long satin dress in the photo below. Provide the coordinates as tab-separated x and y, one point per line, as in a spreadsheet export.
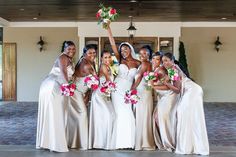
165	119
144	139
125	121
52	112
102	120
191	127
77	128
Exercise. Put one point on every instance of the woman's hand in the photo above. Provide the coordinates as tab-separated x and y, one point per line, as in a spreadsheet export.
151	83
87	97
166	80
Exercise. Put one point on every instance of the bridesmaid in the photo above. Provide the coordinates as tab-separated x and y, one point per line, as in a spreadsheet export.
191	135
125	121
165	111
77	129
144	108
102	114
52	107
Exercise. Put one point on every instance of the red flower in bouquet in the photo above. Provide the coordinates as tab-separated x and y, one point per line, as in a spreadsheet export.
103	89
91	81
98	15
94	86
131	97
112	11
134	92
106	15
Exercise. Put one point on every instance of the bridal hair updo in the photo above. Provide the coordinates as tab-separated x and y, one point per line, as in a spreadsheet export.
104	52
148	50
158	53
170	56
89	46
66	44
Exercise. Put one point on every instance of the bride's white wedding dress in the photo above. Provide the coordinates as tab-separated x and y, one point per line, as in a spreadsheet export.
125	121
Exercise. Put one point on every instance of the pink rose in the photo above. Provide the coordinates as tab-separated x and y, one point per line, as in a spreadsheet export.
62	88
156	74
98	15
71	93
103	89
134	92
112	84
87	79
112	11
176	78
73	86
133	101
145	74
94	86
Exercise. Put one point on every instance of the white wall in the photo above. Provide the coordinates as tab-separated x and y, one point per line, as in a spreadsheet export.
215	72
33	65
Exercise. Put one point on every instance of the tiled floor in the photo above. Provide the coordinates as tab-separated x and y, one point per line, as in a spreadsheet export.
18	129
30	151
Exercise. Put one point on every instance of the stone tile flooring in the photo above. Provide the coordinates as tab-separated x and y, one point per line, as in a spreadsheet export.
18	122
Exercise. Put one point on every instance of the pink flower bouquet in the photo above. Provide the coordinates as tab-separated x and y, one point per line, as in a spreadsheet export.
107	88
68	89
91	82
131	97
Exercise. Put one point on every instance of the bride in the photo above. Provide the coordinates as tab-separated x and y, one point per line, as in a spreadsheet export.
125	122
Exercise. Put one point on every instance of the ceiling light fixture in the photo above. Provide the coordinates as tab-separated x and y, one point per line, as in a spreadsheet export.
131	30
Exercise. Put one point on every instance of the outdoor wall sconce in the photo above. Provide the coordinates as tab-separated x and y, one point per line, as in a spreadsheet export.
217	44
41	44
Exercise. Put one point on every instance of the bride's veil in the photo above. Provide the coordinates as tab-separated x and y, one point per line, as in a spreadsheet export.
131	47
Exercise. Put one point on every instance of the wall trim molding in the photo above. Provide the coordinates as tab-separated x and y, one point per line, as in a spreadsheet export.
208	24
6	23
43	24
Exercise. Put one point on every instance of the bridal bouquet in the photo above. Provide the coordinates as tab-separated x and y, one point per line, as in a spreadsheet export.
131	97
106	15
68	89
173	74
91	81
107	88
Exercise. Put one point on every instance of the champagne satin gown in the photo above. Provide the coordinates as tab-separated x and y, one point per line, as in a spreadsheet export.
165	120
191	127
52	112
102	120
125	121
144	139
77	128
